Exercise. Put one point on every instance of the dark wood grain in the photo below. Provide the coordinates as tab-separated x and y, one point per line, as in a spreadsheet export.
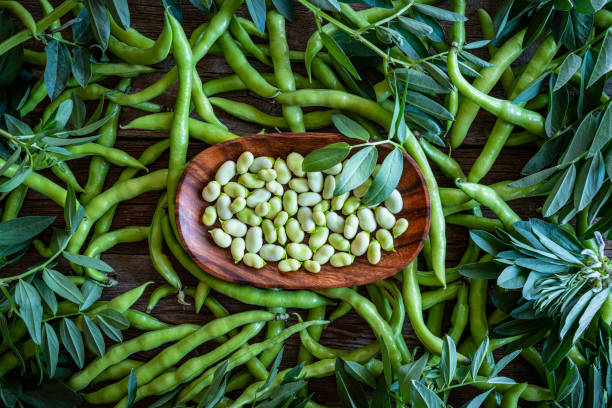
218	261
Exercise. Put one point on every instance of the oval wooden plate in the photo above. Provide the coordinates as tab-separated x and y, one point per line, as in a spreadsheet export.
218	261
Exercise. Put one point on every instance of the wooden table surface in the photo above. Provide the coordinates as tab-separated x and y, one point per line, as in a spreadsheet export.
131	261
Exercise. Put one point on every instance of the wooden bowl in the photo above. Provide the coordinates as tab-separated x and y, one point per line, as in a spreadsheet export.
218	261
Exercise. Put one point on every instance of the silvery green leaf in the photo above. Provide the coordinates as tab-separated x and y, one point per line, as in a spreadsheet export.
415	27
560	193
93	336
548	153
577	309
81	67
47	295
423	397
532	91
512	277
590	312
356	170
534	178
603	134
488	242
100	22
503	362
120	12
338	54
17	127
542	266
604	60
63	286
439	13
571	65
11	160
326	157
557	109
599	201
23	229
72	341
349	128
57	69
428	105
448	360
437	32
115	319
360	373
88	262
557	249
30	309
131	389
439	76
477	401
481	270
91	292
474	60
50	348
216	390
285	7
386	179
557	234
112	332
479	355
500	380
89	127
476	44
331	5
350	391
590	179
274	369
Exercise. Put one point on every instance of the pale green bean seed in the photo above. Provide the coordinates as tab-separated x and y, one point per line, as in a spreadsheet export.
333	170
223	207
318	238
304	216
294	232
359	246
209	217
339	242
234	190
340	259
244	162
309	199
281	235
394	202
262	209
366	220
253	260
281	219
254	239
237	249
272	253
226	172
374	253
312	266
289	265
283	174
299	185
267	174
315	181
235	228
267	226
319	218
338	201
301	252
211	191
323	206
290	202
275	188
258	196
251	180
249	217
351	225
335	222
385	239
276	205
351	205
294	162
384	218
363	188
237	204
328	187
401	225
260	163
220	237
323	254
375	172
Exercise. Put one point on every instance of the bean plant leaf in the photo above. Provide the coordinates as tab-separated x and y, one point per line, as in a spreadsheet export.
603	134
604	60
10	393
387	178
257	10
91	292
560	193
47	295
57	70
30	308
60	284
428	105
415	27
216	390
439	13
100	22
356	170
120	12
131	389
115	319
557	109
88	262
350	391
479	357
81	68
285	7
23	229
448	360
50	348
571	65
72	341
111	331
589	181
331	5
349	128
326	157
338	54
437	32
93	336
360	373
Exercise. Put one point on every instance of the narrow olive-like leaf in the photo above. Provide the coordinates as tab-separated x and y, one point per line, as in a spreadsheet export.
557	109
79	111
538	24
575	312
589	181
326	157
356	170
57	69
591	310
439	76
274	369
479	357
603	134
112	332
571	65
93	336
11	160
17	127
474	60
62	114
532	91
428	105
115	319
285	7
503	362
387	178
132	387
349	390
481	270
100	22
423	397
23	229
478	400
560	193
50	348
331	5
476	44
63	286
439	13
415	27
30	309
257	10
604	60
448	360
349	128
81	68
120	12
72	341
437	32
582	139
88	262
386	360
534	178
89	127
360	373
23	172
91	292
338	54
216	390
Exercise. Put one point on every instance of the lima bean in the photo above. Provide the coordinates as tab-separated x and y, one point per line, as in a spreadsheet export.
290	204
253	260
269	231
237	204
323	254
244	162
323	206
251	180
234	190
328	187
333	170
385	239
335	222
281	235
338	201
223	207
211	192
351	225
312	266
220	237
384	217
272	253
400	227
319	218
283	174
262	162
339	242
362	189
294	232
267	174
289	265
394	202
359	246
209	217
249	217
304	216
275	188
318	238
237	249
294	162
262	209
341	259
226	172
301	252
351	205
235	228
315	181
254	239
374	253
258	196
366	220
281	219
309	199
299	185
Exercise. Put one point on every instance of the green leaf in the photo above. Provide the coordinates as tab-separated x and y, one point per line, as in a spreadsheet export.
274	369
534	178
560	193
30	308
591	310
57	70
503	362
582	139
100	22
91	292
88	262
349	390
17	127
12	60
577	30
120	12
360	373
603	134
93	336
437	32
557	109
474	60
574	313
338	54
131	389
478	400
571	65
81	68
326	157
79	111
110	331
50	348
257	10
62	114
512	277
387	178
47	295
604	60
63	286
356	170
481	270
415	27
331	5
115	319
589	181
10	393
428	105
285	7
538	24
23	172
349	128
72	341
439	13
448	360
51	394
479	357
488	242
434	83
423	397
407	42
437	74
216	390
23	229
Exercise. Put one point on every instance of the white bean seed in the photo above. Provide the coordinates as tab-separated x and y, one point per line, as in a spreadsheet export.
258	196
323	254
315	181
211	191
384	218
304	216
223	207
235	228
209	217
289	265
335	222
394	202
299	185
374	253
312	266
283	174
226	172
309	199
220	237
301	252
294	232
254	239
260	163
351	225
244	162
237	249
294	162
328	187
272	253
401	225
366	220
335	169
341	259
253	260
359	246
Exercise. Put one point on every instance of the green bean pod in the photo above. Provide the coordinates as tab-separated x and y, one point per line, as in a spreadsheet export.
489	198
